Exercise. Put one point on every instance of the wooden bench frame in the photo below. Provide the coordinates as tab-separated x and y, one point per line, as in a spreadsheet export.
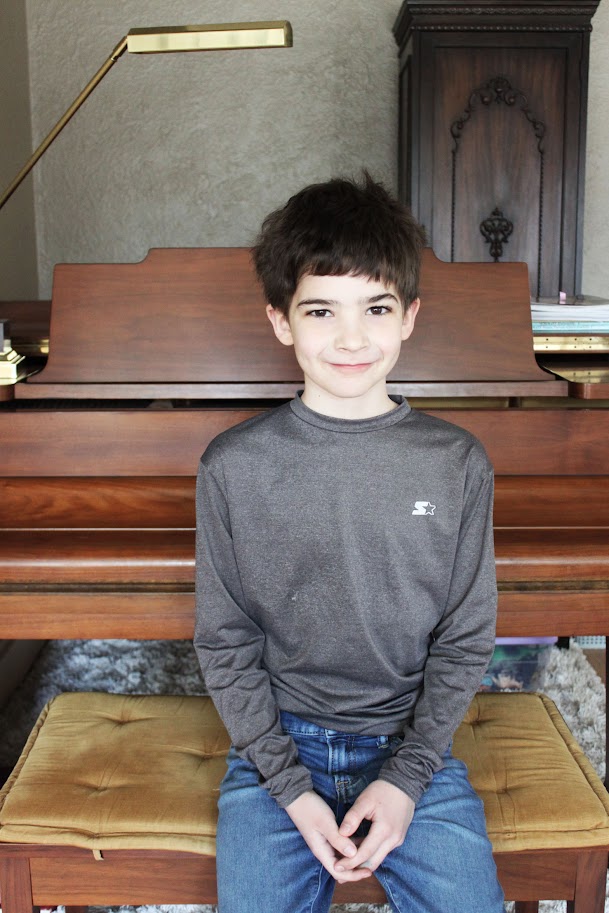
46	876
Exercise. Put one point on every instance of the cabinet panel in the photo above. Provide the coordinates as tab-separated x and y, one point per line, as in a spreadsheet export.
492	133
497	146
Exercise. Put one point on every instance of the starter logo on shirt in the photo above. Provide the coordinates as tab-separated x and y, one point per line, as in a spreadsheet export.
423	508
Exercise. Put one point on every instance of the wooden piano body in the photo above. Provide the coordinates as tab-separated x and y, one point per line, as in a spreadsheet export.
149	361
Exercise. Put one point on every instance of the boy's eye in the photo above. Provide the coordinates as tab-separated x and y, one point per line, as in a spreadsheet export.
379	309
318	312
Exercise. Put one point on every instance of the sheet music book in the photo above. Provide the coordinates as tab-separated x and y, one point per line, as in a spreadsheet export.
587	310
572	327
570	317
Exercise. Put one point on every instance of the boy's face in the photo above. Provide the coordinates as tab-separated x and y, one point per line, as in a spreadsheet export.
347	332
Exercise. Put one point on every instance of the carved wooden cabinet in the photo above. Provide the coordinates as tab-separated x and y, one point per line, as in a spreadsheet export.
492	133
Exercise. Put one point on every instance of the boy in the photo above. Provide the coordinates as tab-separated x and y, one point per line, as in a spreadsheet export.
346	593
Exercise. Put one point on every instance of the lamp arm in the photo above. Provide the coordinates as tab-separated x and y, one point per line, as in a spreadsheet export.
120	49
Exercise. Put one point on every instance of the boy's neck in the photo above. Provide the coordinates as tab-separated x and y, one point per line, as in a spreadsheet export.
348	407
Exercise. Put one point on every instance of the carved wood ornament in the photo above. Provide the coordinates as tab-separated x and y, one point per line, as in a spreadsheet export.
496	230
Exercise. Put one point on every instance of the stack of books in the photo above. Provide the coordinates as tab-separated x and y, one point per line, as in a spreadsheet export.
570	317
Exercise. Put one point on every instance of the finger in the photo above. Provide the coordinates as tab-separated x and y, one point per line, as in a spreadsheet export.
371	844
357	875
323	851
320	848
353	818
326	826
344	846
375	860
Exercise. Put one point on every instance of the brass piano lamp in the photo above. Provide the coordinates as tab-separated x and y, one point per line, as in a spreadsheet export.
12	366
167	39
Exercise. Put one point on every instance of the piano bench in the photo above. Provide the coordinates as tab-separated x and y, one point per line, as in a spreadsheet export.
113	801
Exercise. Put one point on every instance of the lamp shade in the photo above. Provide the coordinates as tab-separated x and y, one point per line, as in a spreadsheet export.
223	37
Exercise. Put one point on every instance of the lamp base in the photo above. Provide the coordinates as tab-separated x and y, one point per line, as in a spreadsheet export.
12	368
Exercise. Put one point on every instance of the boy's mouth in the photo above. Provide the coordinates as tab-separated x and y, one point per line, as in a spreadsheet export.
349	367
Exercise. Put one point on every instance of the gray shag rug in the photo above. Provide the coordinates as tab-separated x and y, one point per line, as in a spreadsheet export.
170	667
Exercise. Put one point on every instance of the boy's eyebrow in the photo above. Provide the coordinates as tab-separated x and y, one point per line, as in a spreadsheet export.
307	302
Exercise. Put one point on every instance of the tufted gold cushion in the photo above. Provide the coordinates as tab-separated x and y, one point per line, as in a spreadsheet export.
539	789
115	771
111	771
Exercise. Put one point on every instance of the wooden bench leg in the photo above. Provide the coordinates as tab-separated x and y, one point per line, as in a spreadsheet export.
590	882
15	885
76	909
526	906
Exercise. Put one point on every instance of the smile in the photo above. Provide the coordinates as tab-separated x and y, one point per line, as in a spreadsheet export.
349	368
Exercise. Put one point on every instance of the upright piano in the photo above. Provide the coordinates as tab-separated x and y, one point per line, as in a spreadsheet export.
149	361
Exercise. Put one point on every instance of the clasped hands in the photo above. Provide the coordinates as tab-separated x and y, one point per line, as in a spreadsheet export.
388	808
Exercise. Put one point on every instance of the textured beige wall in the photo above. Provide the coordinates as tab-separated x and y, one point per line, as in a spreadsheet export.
194	149
18	269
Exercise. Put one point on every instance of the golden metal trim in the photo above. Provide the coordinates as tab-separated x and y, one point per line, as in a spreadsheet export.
221	37
571	343
583	375
32	346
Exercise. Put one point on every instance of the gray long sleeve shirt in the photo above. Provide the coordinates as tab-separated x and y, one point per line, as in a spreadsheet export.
345	573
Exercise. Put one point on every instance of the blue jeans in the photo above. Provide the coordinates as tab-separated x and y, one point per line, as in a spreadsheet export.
444	865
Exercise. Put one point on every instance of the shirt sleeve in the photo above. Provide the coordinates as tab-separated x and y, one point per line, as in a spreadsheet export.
461	647
229	646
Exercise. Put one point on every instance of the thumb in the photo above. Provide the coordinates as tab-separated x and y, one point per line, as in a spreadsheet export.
344	846
340	842
353	818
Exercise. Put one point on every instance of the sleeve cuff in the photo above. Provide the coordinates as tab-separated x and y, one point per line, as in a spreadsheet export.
288	784
413	790
412	766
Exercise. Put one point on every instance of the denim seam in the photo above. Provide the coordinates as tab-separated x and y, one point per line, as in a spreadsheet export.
314	899
387	889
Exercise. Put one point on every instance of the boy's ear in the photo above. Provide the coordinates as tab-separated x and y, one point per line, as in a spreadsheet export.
409	318
281	325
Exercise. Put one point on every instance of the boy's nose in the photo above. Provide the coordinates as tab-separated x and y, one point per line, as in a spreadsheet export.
351	337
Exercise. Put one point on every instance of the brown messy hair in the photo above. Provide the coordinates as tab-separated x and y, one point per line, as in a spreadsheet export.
335	228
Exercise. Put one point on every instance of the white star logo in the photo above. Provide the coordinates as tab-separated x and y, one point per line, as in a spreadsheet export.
423	509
